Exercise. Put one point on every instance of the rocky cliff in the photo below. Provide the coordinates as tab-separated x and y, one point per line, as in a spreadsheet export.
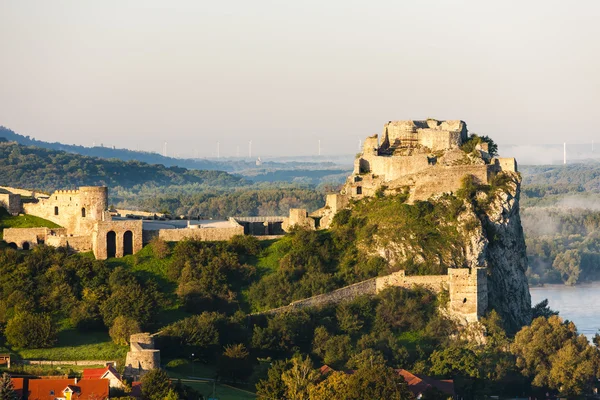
505	255
479	226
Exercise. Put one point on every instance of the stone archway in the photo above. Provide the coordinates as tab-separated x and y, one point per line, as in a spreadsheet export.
127	243
111	244
25	246
13	245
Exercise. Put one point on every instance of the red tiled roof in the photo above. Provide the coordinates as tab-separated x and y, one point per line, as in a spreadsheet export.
98	373
18	385
85	389
419	384
95	389
326	369
41	389
136	389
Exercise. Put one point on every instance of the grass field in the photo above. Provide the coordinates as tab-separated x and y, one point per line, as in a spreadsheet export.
22	221
75	346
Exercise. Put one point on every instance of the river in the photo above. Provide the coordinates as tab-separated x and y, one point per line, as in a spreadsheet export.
580	304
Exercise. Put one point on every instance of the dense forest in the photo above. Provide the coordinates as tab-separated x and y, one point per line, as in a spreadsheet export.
561	221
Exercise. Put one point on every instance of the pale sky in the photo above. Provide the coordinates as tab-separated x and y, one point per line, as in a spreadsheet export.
285	74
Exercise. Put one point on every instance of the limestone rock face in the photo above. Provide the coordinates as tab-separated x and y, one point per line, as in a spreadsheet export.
490	235
508	290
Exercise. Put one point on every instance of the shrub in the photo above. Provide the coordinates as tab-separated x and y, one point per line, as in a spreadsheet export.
160	248
28	330
122	328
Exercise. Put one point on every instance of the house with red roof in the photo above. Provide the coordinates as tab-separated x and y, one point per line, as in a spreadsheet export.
108	372
419	384
68	389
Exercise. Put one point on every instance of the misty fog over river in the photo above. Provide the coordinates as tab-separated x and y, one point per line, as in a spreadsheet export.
579	303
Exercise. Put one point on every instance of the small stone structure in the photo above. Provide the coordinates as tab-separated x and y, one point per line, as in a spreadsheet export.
261	226
142	356
116	238
467	290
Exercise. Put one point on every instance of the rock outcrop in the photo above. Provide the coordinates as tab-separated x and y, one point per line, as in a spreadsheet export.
505	255
486	233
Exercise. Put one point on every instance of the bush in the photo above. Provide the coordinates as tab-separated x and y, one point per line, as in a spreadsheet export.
160	248
27	330
122	329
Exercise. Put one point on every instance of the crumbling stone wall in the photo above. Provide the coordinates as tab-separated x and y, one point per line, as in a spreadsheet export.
298	217
467	289
31	236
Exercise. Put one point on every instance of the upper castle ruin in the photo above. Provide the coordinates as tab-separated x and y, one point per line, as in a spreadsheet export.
423	158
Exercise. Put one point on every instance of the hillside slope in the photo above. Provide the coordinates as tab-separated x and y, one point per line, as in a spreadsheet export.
45	169
480	226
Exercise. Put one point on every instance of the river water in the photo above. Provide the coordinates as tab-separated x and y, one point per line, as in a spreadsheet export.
580	304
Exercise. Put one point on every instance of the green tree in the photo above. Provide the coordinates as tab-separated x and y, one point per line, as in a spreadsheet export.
7	390
298	378
28	330
234	363
156	385
455	360
123	327
552	353
568	265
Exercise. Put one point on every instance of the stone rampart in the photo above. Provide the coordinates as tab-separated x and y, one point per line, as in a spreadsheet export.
22	192
202	234
77	243
467	289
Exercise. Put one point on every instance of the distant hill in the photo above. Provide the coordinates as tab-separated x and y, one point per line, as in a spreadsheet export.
48	169
121	154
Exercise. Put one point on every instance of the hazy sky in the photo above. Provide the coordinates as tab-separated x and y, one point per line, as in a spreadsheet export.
285	74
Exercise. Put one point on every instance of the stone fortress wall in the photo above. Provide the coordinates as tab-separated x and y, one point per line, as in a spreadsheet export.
467	290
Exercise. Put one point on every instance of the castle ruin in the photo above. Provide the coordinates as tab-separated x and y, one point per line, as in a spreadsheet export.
142	356
421	158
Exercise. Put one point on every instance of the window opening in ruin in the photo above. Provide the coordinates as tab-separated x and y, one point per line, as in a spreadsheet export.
464	300
359	190
25	245
127	243
83	212
56	210
111	244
